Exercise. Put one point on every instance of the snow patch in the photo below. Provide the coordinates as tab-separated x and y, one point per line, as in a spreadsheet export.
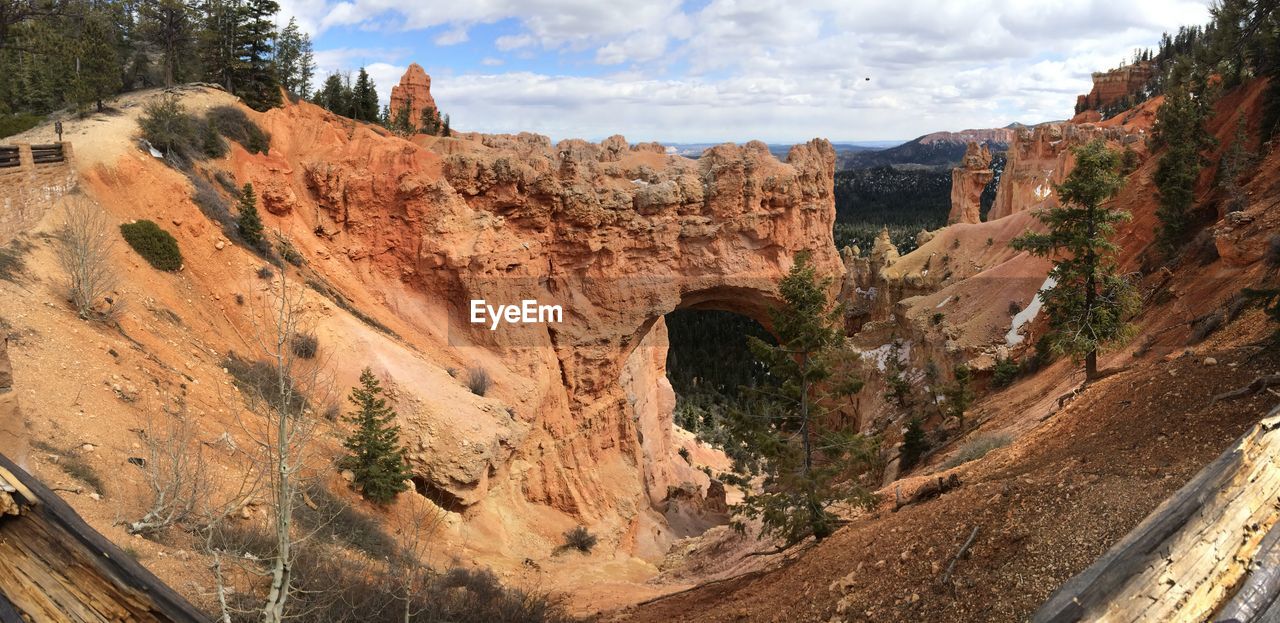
1043	191
1013	338
880	354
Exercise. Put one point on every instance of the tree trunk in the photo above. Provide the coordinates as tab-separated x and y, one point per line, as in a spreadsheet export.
1091	365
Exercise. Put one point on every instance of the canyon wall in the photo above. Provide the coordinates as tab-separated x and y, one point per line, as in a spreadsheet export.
1110	87
616	234
1039	159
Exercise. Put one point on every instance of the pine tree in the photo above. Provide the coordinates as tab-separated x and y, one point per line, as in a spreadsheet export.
444	130
1089	301
167	25
1179	131
259	86
430	121
959	394
375	454
334	96
914	445
809	458
403	124
237	46
294	61
97	65
365	98
250	222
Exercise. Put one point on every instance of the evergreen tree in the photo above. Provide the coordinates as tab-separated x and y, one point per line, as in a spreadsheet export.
364	98
444	129
403	124
238	45
375	455
959	394
167	26
1089	301
295	63
430	121
97	65
334	96
1235	161
1179	131
914	445
250	222
809	458
258	84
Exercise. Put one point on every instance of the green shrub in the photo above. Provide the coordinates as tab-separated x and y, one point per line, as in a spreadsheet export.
21	122
154	244
1005	372
977	448
235	125
168	126
259	380
289	252
211	143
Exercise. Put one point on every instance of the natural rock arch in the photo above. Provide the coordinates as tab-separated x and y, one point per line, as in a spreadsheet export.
617	234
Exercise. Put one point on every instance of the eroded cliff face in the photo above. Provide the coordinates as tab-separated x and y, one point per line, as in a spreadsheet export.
967	182
617	235
1110	87
1039	159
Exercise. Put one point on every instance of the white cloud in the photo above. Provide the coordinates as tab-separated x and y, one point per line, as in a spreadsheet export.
453	36
737	69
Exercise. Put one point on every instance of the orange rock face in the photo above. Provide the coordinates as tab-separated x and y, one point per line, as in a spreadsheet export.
1039	159
1112	86
618	235
414	91
967	182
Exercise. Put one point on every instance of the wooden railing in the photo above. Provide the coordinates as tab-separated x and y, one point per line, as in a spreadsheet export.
44	154
10	156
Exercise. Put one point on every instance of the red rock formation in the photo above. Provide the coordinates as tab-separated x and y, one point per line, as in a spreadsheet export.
1112	86
619	235
414	90
967	182
1039	159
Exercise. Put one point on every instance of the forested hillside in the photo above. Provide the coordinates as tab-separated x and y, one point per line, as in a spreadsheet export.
76	54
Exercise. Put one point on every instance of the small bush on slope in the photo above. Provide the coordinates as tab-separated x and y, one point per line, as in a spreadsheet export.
154	244
232	123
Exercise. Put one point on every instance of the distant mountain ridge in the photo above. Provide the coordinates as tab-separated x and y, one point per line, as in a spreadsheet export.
936	149
779	150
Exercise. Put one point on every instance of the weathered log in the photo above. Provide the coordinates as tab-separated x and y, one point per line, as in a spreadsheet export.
1262	586
1183	562
54	567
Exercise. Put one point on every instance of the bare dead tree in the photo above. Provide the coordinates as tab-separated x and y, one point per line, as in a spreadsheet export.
84	252
176	471
278	396
414	534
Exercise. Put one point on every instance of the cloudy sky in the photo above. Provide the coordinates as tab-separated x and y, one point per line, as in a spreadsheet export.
733	70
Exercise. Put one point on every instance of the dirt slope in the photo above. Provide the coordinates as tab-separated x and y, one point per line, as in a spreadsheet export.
1045	506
